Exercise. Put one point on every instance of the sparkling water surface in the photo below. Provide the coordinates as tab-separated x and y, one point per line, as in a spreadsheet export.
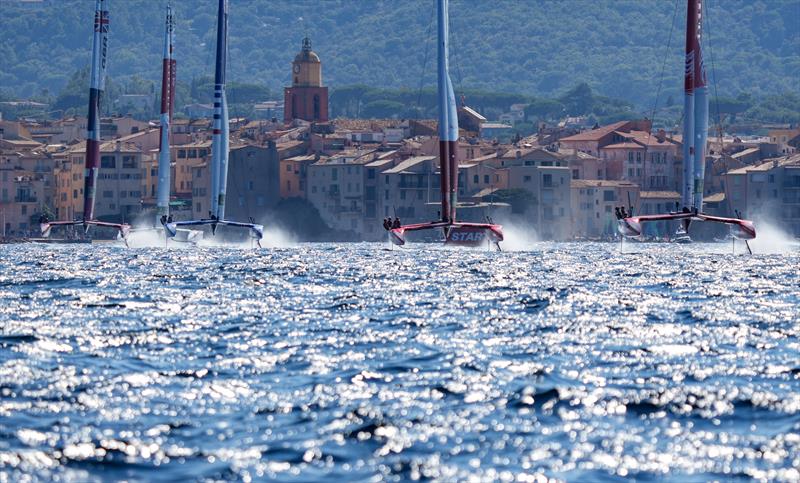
353	362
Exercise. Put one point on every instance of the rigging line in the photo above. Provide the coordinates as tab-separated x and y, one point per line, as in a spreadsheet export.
424	63
459	77
238	181
660	84
713	73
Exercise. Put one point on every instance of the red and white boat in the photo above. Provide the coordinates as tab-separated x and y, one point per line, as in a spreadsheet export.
695	134
455	232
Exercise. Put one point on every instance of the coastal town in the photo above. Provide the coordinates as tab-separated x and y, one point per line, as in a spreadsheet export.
562	182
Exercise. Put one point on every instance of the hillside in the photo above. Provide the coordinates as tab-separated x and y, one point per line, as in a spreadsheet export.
532	48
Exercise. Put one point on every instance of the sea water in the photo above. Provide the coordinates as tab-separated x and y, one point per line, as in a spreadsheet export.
355	362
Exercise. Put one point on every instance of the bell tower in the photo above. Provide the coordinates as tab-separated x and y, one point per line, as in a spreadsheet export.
307	98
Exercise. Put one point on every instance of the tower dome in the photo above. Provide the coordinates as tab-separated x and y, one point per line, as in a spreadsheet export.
306	67
306	54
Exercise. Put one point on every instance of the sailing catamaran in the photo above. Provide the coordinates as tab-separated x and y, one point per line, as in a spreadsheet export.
168	76
455	232
219	145
695	134
99	64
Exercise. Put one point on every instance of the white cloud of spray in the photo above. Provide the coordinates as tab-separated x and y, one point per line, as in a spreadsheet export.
518	237
771	239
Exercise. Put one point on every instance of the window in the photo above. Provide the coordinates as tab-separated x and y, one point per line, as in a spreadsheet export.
288	168
609	195
419	195
108	194
250	185
526	179
575	174
108	162
402	194
23	210
334	174
486	179
547	179
181	153
197	207
129	162
74	194
475	179
371	173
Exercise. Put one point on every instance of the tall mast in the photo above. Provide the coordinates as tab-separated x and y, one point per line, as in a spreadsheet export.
219	150
98	80
695	111
167	103
448	120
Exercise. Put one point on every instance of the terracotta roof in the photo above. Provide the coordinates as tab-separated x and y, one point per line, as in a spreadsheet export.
715	198
409	163
365	124
107	147
624	145
670	195
601	183
596	134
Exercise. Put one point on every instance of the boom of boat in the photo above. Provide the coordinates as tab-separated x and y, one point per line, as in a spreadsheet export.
99	64
695	135
455	232
219	146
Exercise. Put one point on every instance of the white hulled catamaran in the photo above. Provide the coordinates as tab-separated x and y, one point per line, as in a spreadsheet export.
98	80
695	135
455	232
220	147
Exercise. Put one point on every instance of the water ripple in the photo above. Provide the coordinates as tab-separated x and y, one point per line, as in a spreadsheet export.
327	361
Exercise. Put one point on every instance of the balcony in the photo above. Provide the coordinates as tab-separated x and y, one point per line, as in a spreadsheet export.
25	199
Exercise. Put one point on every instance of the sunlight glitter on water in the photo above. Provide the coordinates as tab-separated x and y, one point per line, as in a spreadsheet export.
568	361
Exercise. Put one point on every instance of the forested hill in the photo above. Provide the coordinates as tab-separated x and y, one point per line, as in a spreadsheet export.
540	48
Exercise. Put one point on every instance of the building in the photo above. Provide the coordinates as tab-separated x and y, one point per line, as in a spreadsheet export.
782	139
336	189
294	175
769	191
307	98
593	203
119	183
253	183
630	152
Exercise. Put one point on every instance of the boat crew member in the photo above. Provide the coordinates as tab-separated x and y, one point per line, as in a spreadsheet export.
396	223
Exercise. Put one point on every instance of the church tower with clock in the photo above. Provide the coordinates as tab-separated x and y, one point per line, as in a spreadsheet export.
306	99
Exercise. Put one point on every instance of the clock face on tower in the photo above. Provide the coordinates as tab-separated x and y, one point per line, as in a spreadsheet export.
296	69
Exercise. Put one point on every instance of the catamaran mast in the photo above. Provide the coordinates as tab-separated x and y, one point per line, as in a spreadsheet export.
695	116
99	51
167	103
448	121
219	150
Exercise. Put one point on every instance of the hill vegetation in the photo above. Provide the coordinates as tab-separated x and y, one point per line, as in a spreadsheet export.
379	55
